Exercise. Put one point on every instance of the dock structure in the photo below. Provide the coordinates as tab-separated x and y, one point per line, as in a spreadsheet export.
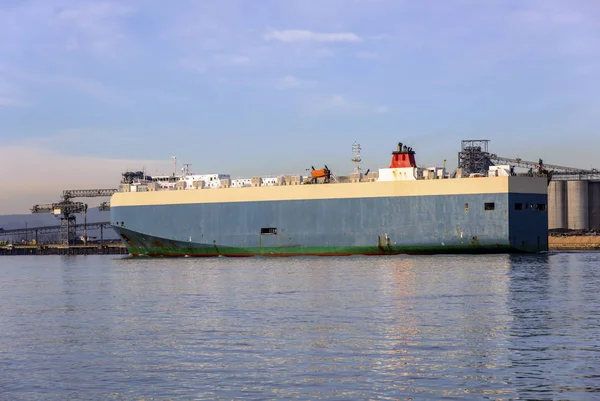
574	243
33	234
27	241
54	249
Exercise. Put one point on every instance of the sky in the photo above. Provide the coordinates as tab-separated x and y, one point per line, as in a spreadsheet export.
89	89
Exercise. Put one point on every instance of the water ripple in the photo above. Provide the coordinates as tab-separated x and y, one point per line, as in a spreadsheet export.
381	328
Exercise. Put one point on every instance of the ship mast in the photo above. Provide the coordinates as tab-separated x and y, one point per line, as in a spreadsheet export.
356	157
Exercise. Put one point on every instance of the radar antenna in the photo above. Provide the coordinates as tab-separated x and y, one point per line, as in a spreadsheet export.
356	156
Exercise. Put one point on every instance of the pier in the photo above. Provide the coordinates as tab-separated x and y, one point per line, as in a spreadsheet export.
574	243
105	249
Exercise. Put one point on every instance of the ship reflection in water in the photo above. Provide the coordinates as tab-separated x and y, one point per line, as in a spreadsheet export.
386	327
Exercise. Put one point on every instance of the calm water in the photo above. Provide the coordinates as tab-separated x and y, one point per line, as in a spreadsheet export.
452	327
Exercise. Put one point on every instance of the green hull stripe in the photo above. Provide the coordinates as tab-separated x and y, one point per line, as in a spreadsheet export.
324	251
145	245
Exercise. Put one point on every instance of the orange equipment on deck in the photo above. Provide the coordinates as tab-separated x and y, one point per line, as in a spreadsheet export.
322	173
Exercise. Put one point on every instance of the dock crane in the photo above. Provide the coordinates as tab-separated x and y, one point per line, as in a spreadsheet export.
66	209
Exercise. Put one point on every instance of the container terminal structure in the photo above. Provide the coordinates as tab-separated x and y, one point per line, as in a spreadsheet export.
399	209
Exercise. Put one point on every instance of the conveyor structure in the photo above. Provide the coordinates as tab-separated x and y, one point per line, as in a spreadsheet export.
474	158
558	172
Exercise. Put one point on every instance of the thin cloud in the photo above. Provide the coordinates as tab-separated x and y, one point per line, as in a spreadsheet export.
378	37
290	81
338	101
202	65
31	81
550	17
331	104
367	55
92	88
93	26
90	14
31	77
193	65
341	104
6	101
231	59
298	35
325	53
83	85
10	96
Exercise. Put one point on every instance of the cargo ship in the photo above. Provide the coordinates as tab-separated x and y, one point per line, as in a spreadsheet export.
400	209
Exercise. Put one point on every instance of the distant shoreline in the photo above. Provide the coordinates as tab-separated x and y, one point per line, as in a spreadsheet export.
574	242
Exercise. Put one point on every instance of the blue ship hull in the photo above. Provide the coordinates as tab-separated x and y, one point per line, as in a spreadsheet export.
473	223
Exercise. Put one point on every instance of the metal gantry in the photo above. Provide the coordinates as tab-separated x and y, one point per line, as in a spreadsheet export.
474	157
87	193
66	210
59	208
68	232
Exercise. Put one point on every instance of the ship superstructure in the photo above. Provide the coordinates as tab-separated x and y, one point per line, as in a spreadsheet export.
403	167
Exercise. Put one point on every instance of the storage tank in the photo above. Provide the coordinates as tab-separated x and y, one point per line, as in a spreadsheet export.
594	205
577	205
557	205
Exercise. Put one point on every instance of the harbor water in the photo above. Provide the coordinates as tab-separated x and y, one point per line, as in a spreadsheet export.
397	327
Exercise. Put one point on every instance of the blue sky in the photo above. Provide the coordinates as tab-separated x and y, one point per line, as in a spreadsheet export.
89	88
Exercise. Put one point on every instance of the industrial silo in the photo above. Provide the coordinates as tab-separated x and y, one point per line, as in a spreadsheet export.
557	205
577	205
594	205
